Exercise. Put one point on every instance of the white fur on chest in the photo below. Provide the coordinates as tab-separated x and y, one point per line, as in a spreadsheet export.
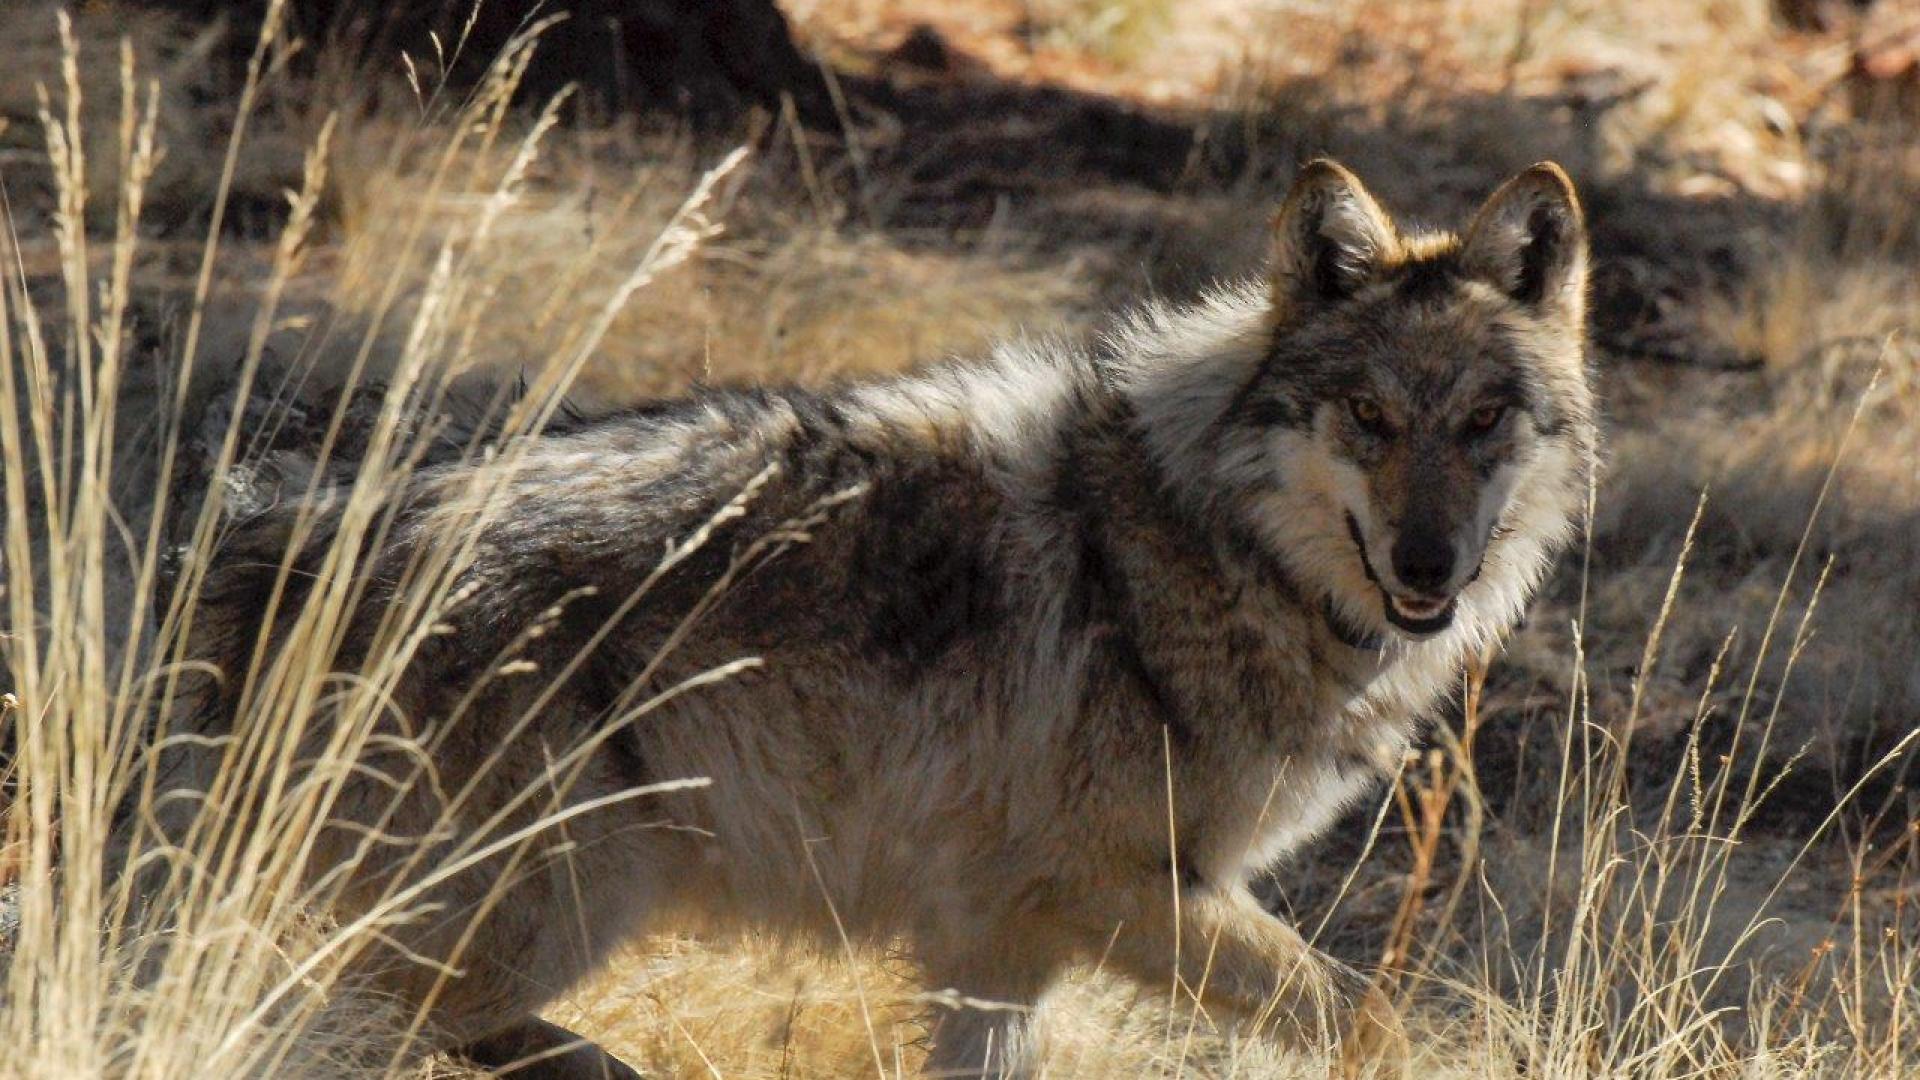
1378	700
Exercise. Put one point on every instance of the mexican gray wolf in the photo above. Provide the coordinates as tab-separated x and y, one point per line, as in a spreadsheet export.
1017	663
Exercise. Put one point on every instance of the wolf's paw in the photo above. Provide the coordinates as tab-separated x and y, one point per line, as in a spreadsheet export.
1374	1045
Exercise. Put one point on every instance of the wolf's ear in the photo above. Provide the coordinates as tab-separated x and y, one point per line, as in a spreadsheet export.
1329	235
1530	240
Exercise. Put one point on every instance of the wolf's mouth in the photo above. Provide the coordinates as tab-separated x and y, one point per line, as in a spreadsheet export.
1419	617
1416	617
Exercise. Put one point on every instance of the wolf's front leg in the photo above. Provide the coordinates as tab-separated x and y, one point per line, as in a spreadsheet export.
1232	957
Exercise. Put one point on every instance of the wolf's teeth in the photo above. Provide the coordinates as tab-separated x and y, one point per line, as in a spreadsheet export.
1420	610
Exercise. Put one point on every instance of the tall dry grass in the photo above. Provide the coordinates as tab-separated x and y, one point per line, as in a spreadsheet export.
1613	927
163	932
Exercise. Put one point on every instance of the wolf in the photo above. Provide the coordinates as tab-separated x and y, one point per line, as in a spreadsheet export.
1018	662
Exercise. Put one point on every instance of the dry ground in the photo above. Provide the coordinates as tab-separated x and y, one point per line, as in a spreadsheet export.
1672	836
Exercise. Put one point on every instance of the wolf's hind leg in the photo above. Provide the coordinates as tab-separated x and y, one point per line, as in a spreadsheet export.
982	1043
544	926
985	1032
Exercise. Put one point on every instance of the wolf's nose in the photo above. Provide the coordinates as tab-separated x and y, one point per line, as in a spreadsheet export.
1422	561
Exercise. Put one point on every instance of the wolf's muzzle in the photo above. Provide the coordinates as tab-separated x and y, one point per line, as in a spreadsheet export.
1420	626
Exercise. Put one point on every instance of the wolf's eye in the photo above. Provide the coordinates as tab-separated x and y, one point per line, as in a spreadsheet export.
1485	419
1366	412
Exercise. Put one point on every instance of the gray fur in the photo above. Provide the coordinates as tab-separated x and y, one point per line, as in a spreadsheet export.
998	607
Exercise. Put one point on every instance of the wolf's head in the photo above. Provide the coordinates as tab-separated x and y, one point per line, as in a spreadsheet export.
1414	414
